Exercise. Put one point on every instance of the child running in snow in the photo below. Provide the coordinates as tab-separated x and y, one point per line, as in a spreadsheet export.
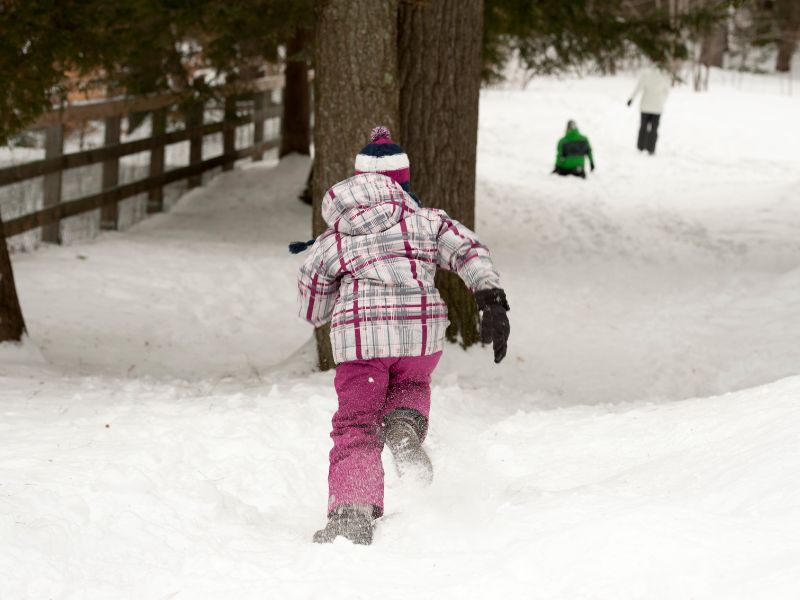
371	275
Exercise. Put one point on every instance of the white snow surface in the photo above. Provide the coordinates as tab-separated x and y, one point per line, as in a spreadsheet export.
163	433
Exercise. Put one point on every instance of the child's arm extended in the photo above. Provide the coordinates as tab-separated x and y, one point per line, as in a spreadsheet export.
460	251
317	288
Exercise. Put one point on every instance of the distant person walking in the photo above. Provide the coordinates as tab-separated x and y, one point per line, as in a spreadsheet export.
573	149
654	85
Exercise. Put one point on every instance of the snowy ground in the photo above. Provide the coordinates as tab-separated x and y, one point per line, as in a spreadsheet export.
162	434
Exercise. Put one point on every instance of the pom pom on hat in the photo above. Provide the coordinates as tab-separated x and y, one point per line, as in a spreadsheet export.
378	133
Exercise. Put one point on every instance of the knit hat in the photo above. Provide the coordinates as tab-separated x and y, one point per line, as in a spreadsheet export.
571	125
382	155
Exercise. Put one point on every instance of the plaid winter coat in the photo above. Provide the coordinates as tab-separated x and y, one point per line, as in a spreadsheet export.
371	273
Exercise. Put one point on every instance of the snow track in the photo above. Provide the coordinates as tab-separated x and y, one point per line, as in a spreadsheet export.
162	434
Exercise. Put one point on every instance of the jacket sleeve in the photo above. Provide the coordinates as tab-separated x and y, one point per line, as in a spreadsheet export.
460	251
589	152
317	288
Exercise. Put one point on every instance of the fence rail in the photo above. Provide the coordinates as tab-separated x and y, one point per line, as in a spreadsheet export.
111	112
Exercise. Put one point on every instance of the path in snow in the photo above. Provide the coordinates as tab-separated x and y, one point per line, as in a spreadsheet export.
162	434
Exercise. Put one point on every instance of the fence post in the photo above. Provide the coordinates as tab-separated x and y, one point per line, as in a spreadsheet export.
155	200
53	147
194	120
229	133
259	104
109	214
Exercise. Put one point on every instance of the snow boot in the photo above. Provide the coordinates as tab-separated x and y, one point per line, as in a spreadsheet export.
351	521
403	433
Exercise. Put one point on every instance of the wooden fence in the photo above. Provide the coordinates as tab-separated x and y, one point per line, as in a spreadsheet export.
237	112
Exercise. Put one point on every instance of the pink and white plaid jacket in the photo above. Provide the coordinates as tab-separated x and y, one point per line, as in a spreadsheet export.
371	273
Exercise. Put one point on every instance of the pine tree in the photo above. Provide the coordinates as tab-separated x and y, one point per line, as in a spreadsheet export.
136	46
553	36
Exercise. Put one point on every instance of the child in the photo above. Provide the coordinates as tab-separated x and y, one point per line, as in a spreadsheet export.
572	148
371	275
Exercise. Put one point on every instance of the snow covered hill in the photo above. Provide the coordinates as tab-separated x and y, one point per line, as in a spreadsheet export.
163	434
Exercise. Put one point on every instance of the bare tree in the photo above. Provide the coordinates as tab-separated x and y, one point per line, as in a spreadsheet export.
356	88
12	325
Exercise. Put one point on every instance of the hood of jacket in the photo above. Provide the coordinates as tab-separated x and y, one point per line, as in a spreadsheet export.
366	203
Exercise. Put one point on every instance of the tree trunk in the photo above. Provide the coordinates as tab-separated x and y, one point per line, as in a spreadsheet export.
296	121
787	14
440	76
786	48
356	88
714	46
12	326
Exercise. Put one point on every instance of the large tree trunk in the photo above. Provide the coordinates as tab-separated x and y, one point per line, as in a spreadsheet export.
12	326
356	88
787	14
296	122
712	54
714	46
786	49
440	76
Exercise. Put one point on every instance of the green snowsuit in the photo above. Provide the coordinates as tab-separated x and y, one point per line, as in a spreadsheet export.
572	149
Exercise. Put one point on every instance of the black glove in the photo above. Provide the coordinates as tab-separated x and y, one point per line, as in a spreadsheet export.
592	167
630	101
494	321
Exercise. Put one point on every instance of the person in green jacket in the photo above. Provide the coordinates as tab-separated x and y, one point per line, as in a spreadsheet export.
573	149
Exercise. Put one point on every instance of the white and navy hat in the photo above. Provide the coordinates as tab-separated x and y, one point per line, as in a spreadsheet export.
382	155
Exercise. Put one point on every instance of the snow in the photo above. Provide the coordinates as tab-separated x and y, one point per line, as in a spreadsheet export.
163	433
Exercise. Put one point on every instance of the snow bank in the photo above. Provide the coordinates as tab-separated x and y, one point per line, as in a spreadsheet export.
123	489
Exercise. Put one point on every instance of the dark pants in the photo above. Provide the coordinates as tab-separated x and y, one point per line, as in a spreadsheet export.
578	171
648	132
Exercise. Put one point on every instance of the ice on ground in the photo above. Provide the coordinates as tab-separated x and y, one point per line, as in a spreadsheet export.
163	434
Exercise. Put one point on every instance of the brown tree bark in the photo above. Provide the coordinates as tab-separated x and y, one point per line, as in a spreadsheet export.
356	88
440	76
296	121
714	46
12	325
787	15
786	49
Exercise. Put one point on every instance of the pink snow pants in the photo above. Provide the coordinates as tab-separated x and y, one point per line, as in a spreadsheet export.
368	390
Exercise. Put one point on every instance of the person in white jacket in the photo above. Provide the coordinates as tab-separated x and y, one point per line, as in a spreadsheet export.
654	85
